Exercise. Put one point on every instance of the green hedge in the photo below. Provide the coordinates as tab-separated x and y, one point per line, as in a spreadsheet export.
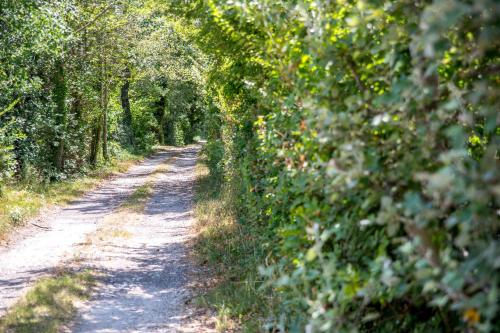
365	134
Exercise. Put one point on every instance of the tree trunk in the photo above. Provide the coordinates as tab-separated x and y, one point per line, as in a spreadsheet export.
161	137
75	127
94	144
104	105
161	118
105	154
127	113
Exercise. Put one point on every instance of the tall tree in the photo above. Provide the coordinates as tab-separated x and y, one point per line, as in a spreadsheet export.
125	102
61	117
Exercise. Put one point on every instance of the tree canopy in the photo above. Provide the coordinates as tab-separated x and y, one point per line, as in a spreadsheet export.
81	79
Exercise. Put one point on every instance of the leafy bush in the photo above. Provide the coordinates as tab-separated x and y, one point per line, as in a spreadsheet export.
366	137
214	152
178	131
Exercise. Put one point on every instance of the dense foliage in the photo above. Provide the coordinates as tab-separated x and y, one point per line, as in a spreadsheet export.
363	136
360	137
81	80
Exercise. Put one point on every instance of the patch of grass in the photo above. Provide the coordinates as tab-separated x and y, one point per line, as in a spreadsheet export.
119	233
137	200
131	210
49	304
21	201
139	197
112	229
232	252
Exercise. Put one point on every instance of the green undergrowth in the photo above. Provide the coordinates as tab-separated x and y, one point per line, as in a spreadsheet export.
23	200
49	304
230	249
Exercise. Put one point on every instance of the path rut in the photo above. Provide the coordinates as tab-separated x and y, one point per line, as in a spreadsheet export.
143	288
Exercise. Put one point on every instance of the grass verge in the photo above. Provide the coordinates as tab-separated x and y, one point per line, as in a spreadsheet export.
49	304
231	251
21	201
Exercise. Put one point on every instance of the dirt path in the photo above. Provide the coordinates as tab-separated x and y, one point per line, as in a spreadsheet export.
144	274
143	286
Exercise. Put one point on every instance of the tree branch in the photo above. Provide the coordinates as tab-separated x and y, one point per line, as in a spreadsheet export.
98	16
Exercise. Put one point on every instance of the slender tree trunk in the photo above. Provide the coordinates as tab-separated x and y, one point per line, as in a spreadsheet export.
161	118
105	154
161	130
161	125
75	127
95	143
104	106
100	130
127	113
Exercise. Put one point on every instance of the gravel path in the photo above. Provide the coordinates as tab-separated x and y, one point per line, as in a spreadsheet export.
152	259
143	287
